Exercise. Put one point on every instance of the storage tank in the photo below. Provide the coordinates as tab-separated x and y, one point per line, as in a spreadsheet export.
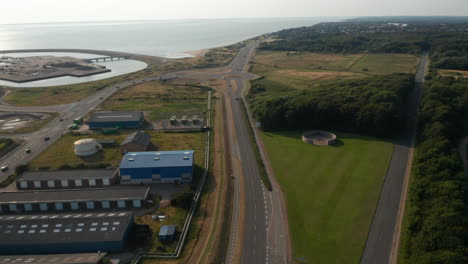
86	147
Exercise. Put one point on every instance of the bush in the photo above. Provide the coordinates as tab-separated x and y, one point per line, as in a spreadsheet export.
183	199
20	169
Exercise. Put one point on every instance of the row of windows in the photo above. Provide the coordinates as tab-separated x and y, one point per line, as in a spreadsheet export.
74	205
63	183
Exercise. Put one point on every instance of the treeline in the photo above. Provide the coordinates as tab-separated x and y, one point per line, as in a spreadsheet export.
372	105
437	222
448	42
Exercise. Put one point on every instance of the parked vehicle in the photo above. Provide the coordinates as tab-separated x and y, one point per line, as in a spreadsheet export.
46	138
4	168
28	151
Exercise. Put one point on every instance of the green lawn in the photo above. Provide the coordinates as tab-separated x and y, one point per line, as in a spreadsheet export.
331	192
160	99
61	152
386	63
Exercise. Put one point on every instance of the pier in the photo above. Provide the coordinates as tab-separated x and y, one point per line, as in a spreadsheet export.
111	58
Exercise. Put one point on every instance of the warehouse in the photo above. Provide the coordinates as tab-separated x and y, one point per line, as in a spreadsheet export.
116	119
157	167
63	179
64	233
77	258
73	200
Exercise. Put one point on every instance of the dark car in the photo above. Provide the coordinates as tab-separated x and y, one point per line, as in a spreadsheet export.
46	138
4	168
28	151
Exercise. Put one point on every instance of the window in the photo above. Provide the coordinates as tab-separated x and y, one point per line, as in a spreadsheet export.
32	231
103	228
80	224
20	231
94	224
23	184
37	184
23	226
105	182
74	205
116	223
51	183
27	207
105	223
79	229
64	183
58	225
45	226
56	230
33	226
136	203
59	206
42	231
43	206
92	182
92	229
89	205
68	230
78	183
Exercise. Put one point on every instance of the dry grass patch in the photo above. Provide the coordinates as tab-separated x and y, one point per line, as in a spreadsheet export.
453	73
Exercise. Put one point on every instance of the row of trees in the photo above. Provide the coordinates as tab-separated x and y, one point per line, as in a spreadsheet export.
372	105
437	229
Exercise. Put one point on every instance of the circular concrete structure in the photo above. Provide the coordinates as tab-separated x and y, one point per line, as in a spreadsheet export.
319	138
86	147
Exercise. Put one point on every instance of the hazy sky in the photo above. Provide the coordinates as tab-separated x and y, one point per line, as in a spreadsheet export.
25	11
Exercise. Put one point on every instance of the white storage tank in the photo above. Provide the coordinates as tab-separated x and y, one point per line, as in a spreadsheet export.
87	147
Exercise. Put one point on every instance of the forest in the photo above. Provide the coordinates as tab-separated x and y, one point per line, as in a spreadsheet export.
437	218
371	105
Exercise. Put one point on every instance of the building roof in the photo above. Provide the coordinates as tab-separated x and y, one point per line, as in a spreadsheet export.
122	193
64	228
140	138
68	174
78	258
116	116
167	230
152	159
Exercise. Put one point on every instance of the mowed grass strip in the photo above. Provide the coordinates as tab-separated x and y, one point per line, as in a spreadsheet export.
331	192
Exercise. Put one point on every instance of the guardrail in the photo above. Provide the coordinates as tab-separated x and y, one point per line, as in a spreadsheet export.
180	244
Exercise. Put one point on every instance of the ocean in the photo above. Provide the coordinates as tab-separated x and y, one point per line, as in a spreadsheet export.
164	38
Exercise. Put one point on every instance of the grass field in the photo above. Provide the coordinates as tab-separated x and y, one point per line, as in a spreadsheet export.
61	152
158	98
386	63
303	70
331	192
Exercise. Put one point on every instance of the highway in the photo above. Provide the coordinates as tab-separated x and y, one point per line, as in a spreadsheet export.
383	235
259	222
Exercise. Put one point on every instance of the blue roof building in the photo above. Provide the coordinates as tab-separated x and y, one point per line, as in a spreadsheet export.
157	167
116	119
167	232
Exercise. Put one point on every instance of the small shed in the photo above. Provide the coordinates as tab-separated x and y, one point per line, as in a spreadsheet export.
167	232
135	142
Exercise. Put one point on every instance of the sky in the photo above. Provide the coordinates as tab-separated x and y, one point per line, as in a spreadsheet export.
40	11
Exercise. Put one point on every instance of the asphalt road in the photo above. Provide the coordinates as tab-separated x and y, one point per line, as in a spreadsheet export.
380	240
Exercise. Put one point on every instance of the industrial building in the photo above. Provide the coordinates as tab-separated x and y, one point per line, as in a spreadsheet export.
157	167
116	119
73	200
86	147
138	141
67	179
64	233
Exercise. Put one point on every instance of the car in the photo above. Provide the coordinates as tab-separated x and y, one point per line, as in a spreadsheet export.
28	151
4	168
61	119
101	97
46	138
